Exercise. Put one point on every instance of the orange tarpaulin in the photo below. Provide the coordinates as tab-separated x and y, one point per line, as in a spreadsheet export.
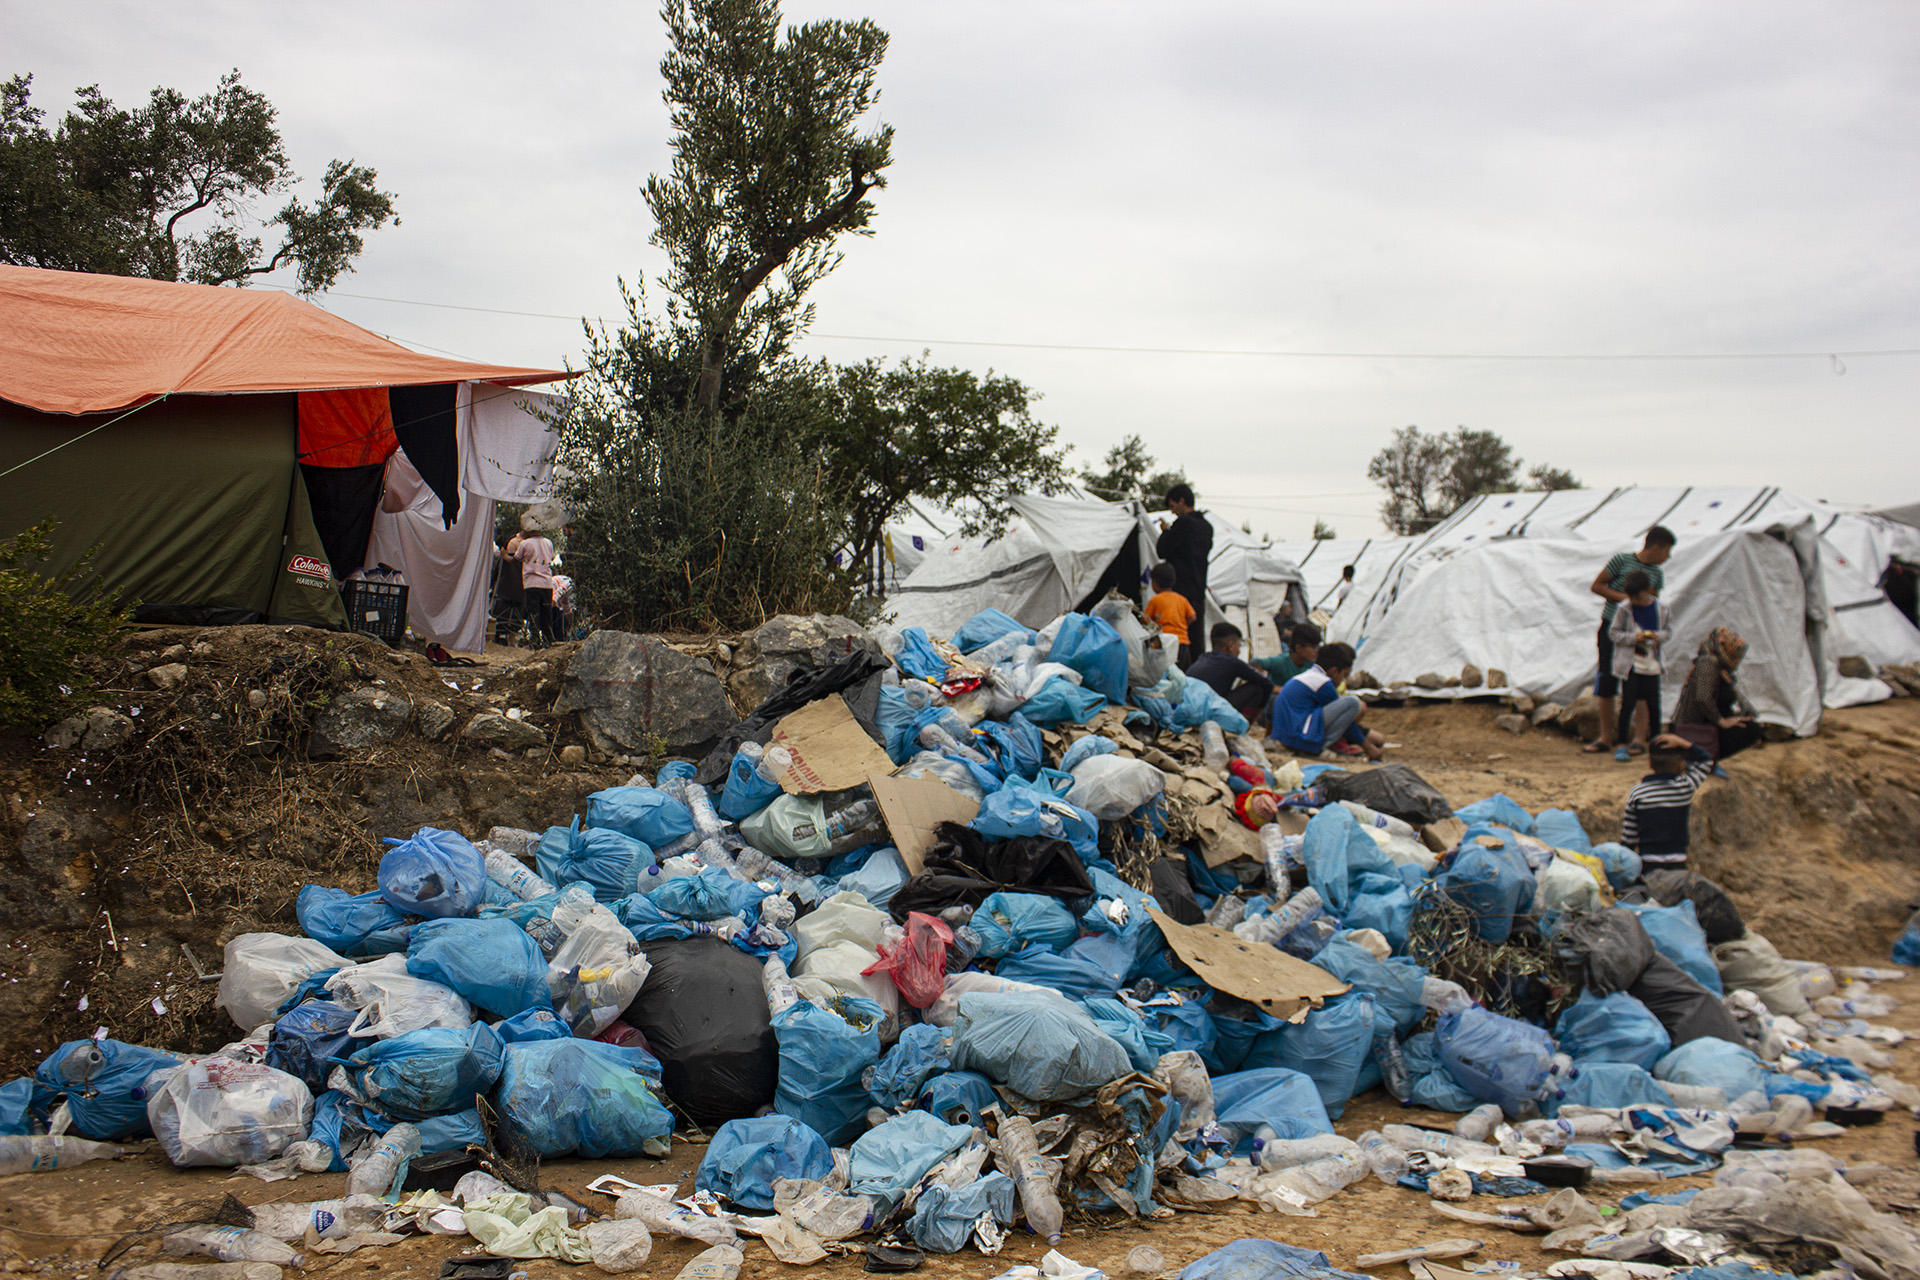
347	428
73	342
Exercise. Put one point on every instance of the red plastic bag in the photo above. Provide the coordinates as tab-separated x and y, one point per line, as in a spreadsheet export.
918	964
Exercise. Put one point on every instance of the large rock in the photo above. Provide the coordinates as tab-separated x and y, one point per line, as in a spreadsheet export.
1496	678
491	729
433	719
637	695
1906	674
168	676
1583	717
97	729
1471	677
357	719
1511	723
1430	680
1547	713
770	654
1855	668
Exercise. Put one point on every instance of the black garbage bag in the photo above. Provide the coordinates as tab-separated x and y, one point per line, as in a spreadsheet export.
1173	890
1685	1008
704	1014
1718	917
856	677
963	867
1393	789
1606	950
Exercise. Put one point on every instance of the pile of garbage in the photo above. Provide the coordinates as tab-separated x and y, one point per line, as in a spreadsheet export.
1010	927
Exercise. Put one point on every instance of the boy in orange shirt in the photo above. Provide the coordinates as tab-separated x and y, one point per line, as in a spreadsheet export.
1171	611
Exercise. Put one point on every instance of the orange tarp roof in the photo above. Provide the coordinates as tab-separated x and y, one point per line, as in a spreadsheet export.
73	342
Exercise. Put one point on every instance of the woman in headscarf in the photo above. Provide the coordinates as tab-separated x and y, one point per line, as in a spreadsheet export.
1711	700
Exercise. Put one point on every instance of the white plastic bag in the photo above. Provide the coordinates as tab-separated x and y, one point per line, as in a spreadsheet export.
215	1111
262	970
1112	786
597	970
392	1001
837	940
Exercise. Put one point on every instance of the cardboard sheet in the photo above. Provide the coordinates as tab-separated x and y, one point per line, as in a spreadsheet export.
913	807
1258	972
831	752
1224	837
1442	836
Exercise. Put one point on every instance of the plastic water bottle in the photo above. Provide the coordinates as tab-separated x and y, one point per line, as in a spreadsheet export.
1453	1146
751	864
1213	746
857	824
712	853
699	803
778	984
1277	924
966	945
230	1244
992	655
1316	1180
506	870
1020	1148
1273	849
373	1175
1394	1071
1285	1153
1478	1124
1388	1162
722	1262
936	737
1559	1076
1229	911
1444	997
36	1153
330	1219
666	1217
1374	818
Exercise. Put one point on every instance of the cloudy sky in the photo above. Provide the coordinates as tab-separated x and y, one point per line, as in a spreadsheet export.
1207	184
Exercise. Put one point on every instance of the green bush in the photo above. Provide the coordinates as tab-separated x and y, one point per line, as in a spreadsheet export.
46	633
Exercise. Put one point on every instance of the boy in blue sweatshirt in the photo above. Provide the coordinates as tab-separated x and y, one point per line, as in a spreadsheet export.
1309	713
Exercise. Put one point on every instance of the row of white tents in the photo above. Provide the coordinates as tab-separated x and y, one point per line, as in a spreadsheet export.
1501	584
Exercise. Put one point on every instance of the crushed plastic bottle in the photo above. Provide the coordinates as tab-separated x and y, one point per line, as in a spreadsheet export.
37	1153
855	825
668	1218
699	801
751	864
1316	1180
374	1174
714	854
1408	1138
1213	746
1273	849
1275	925
1032	1176
1388	1162
229	1244
966	945
1478	1124
330	1219
1229	911
827	1213
937	737
1285	1153
1145	1260
778	984
722	1262
509	872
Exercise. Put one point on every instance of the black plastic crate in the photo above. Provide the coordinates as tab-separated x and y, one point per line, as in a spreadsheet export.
378	608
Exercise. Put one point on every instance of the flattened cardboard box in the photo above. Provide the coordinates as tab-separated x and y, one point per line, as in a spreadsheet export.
913	807
1258	972
831	752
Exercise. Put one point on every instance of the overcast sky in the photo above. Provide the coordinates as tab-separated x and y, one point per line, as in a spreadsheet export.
1507	179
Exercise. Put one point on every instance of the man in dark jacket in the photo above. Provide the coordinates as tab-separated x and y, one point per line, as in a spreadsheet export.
1187	544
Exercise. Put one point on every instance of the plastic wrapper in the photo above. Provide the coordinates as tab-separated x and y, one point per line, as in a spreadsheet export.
262	969
436	873
216	1111
392	1001
580	1097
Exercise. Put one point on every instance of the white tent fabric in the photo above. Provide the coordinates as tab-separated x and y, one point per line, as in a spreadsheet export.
1321	561
1248	582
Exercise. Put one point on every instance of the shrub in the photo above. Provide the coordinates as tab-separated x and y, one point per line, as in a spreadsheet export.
47	632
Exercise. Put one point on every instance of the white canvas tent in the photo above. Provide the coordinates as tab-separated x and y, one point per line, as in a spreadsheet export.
1248	582
1054	554
1503	583
1320	562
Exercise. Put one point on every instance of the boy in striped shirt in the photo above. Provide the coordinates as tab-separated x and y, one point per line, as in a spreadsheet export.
1654	823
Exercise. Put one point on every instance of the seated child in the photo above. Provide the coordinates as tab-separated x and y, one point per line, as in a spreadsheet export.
1309	713
1221	669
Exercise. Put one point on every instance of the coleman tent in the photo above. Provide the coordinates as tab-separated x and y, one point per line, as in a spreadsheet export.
225	451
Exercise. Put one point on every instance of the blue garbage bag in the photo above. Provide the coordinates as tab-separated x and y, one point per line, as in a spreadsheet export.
306	1039
455	1131
1087	748
986	626
1199	702
104	1083
1609	1084
1174	1024
436	873
334	1117
1126	1026
1677	935
1041	1047
1328	1046
1615	1028
1021	811
918	657
1494	883
1286	1101
746	792
580	1097
919	1055
1234	1036
746	1157
894	716
695	897
1264	1260
355	925
1336	850
957	1097
1395	984
1561	828
16	1100
612	863
532	1024
1009	922
823	1055
1433	1086
887	1160
1906	947
1016	745
1382	903
425	1072
649	815
1494	1058
1074	976
1061	699
1092	647
943	1217
676	771
878	878
1715	1062
493	964
1621	863
1499	808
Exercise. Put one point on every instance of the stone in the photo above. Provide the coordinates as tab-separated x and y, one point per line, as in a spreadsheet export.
1856	668
257	699
491	729
1902	673
1452	682
1430	680
95	729
1511	723
169	675
1471	677
1362	680
770	654
639	695
1522	704
573	755
433	719
1547	713
173	653
1583	717
203	648
1496	678
356	720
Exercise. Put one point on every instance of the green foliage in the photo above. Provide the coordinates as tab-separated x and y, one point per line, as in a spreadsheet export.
45	635
1428	476
1549	479
769	170
1323	532
1127	474
1477	462
120	191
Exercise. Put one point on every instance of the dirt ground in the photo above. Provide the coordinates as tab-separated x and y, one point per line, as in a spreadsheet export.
1817	840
